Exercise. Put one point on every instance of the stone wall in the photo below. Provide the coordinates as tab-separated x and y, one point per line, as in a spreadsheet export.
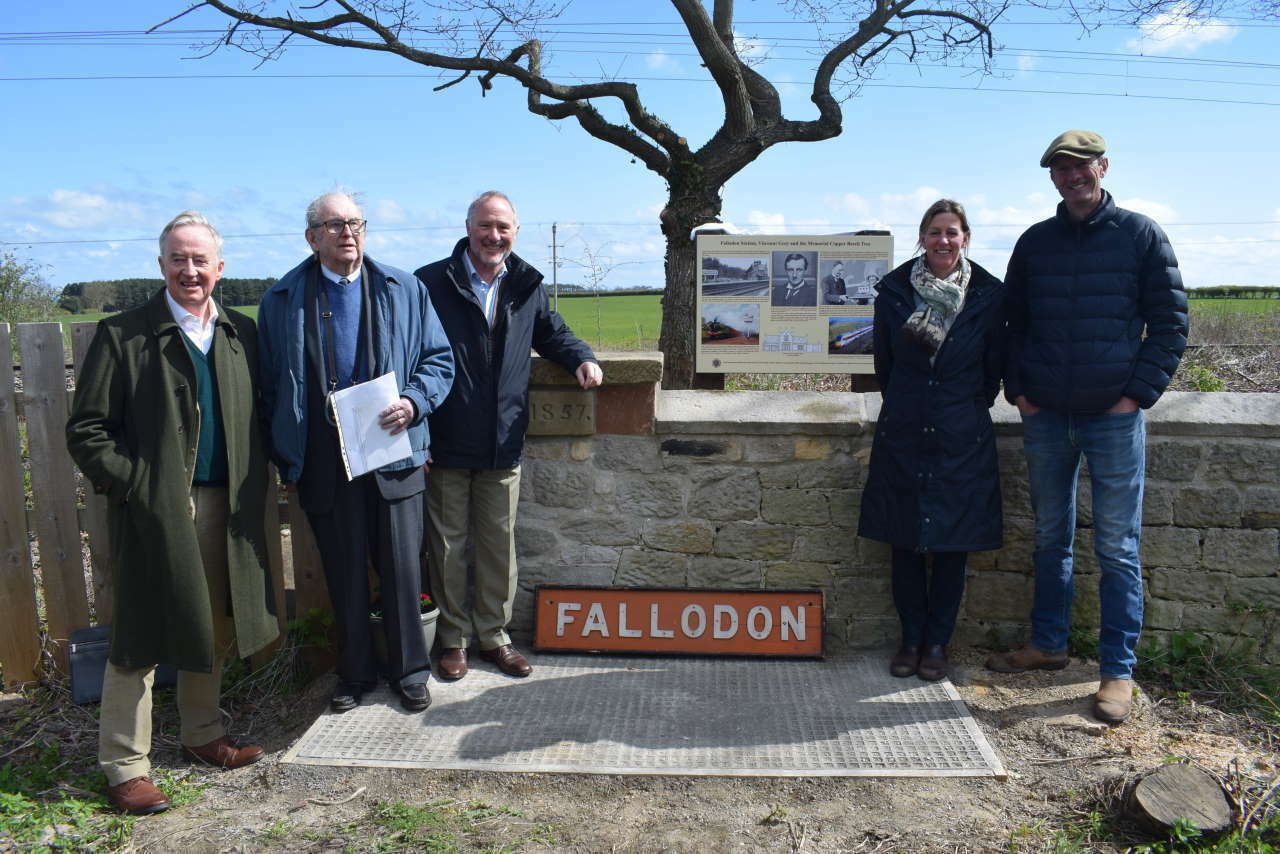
761	489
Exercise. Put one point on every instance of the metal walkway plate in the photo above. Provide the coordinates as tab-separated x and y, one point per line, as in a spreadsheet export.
843	717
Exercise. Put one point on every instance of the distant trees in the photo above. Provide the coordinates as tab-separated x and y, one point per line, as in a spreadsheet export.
121	294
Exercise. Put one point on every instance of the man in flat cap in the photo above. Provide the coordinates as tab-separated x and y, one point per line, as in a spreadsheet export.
1097	325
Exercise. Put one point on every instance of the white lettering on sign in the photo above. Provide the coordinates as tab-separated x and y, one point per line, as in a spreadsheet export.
563	617
654	631
693	611
759	614
725	619
595	621
623	631
793	622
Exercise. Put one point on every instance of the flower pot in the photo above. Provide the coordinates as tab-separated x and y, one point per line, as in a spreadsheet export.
380	637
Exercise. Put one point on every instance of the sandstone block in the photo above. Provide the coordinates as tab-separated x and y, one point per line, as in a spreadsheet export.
1162	614
862	597
580	450
602	530
1019	543
687	537
812	449
873	554
735	495
684	451
841	471
789	574
558	485
844	506
1243	461
545	448
872	632
1157	504
999	596
1260	507
1189	585
1164	546
833	545
1218	619
650	494
707	571
533	540
1264	591
1207	507
572	554
1242	552
642	568
794	507
1173	460
754	542
626	453
767	449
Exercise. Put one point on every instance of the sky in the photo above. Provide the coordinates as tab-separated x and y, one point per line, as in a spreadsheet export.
110	133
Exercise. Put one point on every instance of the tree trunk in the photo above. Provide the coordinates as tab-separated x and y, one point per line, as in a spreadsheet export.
1185	792
689	205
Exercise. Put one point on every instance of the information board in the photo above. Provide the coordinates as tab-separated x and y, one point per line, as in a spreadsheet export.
788	304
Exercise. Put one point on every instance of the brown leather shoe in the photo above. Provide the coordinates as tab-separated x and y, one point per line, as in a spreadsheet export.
1114	700
904	662
508	659
933	663
138	796
453	664
222	752
1027	658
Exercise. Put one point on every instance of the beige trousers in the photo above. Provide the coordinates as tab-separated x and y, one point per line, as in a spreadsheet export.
482	501
124	727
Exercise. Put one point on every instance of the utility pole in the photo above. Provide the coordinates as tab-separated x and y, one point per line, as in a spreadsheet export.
555	264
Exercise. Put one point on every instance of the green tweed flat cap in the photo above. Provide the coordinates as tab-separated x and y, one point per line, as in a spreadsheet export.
1083	144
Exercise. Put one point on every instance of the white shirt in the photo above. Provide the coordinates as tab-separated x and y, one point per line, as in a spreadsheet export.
486	292
335	278
198	334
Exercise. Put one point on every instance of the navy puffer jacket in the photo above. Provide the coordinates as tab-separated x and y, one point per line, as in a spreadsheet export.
482	423
934	482
1080	297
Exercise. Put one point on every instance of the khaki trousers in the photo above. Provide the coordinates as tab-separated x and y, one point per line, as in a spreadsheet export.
124	727
482	502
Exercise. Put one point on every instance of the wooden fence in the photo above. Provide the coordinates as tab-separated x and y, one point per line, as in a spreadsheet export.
40	513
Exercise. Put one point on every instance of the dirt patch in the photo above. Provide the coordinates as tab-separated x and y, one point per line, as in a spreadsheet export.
1061	765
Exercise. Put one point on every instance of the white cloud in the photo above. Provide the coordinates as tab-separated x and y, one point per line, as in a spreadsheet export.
1176	32
1026	62
767	223
660	60
1158	211
389	212
78	209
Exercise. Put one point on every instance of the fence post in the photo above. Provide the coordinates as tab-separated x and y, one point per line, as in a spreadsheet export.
19	623
53	483
95	505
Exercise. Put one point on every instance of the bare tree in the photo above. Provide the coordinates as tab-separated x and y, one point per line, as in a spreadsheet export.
500	38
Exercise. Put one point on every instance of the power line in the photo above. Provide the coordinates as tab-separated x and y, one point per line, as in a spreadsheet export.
826	226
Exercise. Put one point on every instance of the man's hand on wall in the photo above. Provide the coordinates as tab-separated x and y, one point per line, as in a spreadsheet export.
589	375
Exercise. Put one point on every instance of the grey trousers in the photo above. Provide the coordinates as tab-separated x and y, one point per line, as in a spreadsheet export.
482	502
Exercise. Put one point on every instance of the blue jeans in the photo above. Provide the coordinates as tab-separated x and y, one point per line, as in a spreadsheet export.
1115	446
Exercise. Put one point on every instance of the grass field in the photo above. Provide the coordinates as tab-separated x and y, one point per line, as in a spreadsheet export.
633	321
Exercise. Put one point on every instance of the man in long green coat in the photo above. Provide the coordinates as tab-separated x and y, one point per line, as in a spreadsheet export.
164	425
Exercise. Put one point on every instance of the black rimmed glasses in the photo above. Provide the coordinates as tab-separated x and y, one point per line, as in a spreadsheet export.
335	226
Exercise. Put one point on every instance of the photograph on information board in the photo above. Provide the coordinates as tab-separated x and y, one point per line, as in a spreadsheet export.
789	304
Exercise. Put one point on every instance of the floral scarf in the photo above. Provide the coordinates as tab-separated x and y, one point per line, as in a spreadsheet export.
942	300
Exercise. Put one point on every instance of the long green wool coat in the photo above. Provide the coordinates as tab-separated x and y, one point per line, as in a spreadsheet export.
133	431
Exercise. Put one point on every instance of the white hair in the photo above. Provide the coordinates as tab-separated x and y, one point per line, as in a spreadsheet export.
191	218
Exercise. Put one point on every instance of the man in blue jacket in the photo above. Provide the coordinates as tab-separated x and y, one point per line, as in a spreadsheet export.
337	319
494	309
1097	325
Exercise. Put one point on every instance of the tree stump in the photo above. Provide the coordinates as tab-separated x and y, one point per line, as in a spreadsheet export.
1175	792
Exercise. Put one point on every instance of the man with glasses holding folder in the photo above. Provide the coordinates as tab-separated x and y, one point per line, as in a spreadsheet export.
338	319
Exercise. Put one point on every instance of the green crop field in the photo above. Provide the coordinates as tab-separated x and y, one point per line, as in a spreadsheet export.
1234	306
625	322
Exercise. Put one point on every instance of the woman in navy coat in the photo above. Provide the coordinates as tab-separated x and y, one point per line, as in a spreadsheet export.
933	491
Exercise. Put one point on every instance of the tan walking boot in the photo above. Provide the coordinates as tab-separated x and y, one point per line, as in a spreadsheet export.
1027	658
1114	700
